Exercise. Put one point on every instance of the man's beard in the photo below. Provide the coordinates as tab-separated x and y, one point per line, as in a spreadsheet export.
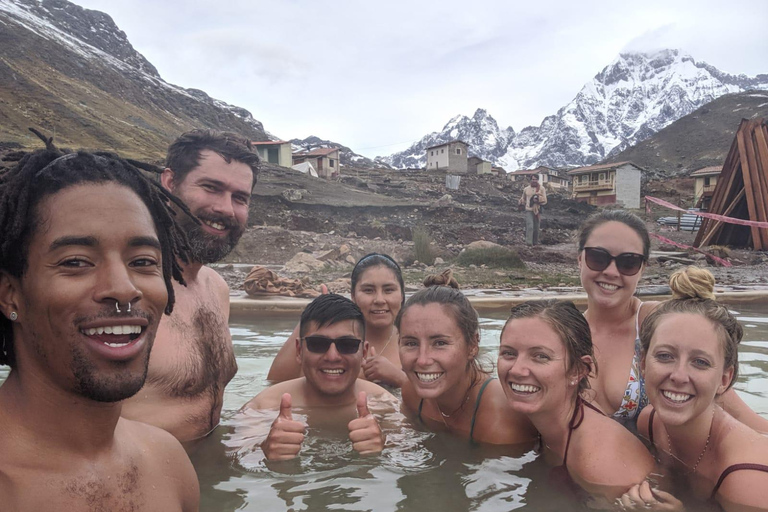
208	248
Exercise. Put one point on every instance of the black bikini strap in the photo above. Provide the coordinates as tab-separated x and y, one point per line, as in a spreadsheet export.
737	467
650	425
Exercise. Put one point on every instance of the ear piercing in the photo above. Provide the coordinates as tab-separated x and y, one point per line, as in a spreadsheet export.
117	307
14	316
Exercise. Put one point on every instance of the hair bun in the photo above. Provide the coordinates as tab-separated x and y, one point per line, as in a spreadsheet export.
692	283
443	279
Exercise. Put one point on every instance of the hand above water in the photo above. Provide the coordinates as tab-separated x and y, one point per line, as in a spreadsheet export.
285	435
364	431
380	369
642	497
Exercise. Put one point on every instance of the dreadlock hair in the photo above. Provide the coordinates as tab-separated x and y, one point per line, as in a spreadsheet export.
48	171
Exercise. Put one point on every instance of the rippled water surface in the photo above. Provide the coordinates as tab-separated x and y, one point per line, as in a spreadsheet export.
420	471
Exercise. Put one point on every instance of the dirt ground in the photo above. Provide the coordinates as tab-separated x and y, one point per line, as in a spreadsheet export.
377	211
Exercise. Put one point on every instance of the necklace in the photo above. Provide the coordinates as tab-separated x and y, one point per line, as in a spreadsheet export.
389	340
460	407
706	444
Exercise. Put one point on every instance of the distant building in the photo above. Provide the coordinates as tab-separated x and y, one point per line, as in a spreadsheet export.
549	177
705	180
617	183
275	152
450	157
324	160
476	165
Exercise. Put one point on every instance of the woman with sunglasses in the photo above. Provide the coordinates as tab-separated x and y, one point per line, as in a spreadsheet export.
690	347
614	246
447	387
377	288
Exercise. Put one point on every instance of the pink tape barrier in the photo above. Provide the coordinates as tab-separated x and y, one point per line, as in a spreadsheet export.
721	218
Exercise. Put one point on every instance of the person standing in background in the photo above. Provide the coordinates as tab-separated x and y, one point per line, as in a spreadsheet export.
533	198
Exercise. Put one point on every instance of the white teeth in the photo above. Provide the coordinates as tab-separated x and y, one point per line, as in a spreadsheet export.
112	329
336	371
428	377
215	225
609	287
677	397
524	388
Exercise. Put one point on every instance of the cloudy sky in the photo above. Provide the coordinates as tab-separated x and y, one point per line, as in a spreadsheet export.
377	76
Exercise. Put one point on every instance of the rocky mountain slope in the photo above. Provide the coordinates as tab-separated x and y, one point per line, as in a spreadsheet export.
348	157
627	102
72	71
700	139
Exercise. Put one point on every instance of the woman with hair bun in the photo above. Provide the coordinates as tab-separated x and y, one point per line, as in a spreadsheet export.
447	387
614	247
378	289
690	347
545	361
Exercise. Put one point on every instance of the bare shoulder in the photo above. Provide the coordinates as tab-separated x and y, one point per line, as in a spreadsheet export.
372	389
606	458
164	458
409	397
214	281
647	308
497	422
744	490
270	397
643	422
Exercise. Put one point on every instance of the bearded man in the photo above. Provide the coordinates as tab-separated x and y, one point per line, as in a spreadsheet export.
193	360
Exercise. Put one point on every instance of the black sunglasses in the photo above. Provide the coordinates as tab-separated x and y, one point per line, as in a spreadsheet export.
345	345
627	263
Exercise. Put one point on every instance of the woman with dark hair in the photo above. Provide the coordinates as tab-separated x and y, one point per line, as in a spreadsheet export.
614	247
377	288
545	361
447	388
690	347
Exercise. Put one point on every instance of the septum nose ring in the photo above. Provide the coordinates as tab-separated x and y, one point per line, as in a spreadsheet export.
117	307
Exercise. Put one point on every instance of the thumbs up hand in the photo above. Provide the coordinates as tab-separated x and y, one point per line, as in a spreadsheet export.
377	368
285	435
364	431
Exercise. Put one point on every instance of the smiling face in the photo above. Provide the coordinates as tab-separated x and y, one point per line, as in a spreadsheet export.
379	296
331	374
608	288
433	351
532	367
684	368
218	193
94	245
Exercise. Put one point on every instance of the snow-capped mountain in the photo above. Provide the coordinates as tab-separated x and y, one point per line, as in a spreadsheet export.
346	156
627	102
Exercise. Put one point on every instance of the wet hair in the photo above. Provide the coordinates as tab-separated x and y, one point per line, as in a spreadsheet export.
329	309
627	218
46	172
569	324
459	307
184	153
443	279
693	293
375	259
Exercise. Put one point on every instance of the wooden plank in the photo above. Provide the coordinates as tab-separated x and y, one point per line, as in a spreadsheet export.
718	223
741	136
760	238
761	158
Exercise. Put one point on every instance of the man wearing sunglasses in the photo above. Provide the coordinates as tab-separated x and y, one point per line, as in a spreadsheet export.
533	198
330	350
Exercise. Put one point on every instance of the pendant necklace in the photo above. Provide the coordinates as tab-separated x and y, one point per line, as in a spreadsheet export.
706	445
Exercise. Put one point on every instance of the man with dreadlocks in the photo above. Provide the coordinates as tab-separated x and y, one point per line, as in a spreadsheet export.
193	359
88	253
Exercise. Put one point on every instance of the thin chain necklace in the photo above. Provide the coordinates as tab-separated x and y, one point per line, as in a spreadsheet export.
460	407
706	445
389	340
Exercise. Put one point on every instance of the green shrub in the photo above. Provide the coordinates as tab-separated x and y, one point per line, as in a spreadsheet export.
494	257
422	246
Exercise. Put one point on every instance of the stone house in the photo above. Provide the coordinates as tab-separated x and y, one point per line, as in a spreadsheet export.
324	160
548	177
705	181
476	165
274	151
450	156
616	183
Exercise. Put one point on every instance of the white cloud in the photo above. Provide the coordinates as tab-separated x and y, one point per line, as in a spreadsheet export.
375	74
